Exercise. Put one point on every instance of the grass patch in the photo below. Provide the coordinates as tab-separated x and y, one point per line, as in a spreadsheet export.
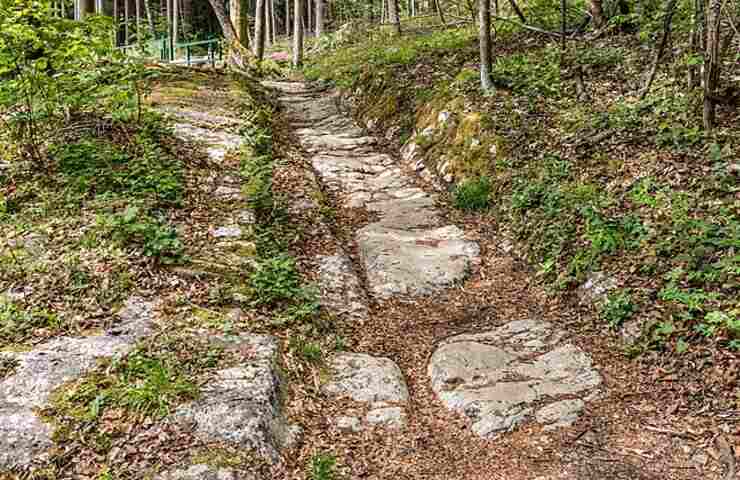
19	323
473	194
322	467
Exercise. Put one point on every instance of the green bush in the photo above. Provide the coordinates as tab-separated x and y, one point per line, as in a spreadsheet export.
618	308
275	280
473	194
135	227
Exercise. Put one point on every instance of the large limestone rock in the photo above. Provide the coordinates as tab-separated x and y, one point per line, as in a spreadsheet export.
341	291
414	262
499	378
23	436
242	405
376	384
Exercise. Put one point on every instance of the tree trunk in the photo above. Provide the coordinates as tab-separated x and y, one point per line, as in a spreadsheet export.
517	11
149	18
125	22
287	18
175	24
667	20
484	14
298	33
597	12
259	30
138	21
116	24
412	8
319	18
712	63
239	47
393	17
273	22
268	24
441	14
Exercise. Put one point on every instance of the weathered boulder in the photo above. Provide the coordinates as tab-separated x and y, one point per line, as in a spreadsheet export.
497	378
414	262
243	405
375	383
23	436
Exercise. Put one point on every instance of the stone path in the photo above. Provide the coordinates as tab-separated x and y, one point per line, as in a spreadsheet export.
497	379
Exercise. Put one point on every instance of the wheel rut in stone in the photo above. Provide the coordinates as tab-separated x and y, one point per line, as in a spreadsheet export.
524	370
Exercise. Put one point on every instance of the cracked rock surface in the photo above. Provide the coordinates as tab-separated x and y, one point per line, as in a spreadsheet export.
24	437
521	370
409	250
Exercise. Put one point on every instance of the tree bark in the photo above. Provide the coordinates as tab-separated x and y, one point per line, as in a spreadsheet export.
239	47
441	14
712	63
597	12
517	11
138	20
319	18
125	24
393	16
484	14
287	18
667	21
298	33
175	24
149	18
259	30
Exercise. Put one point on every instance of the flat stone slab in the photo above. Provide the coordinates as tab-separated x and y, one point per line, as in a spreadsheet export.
205	472
376	383
242	405
23	436
412	262
218	142
521	370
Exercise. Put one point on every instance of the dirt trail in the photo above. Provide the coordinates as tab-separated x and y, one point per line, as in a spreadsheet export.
503	381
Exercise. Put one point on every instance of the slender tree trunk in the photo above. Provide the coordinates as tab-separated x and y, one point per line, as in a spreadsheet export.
116	24
273	22
597	12
412	8
175	25
239	46
484	14
149	18
138	20
667	21
268	24
287	18
712	63
259	30
694	36
126	21
298	33
319	18
441	14
518	11
393	16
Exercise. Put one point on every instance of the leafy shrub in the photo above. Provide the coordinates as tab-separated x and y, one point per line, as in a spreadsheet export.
64	70
473	194
18	324
617	308
275	280
136	227
322	467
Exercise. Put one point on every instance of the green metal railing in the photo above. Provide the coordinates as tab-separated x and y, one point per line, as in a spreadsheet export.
162	48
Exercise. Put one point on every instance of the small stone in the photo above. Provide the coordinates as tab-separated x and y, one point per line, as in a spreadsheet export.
493	150
20	292
631	331
348	424
225	191
246	217
474	143
227	232
596	288
366	379
699	459
393	418
448	178
442	118
427	132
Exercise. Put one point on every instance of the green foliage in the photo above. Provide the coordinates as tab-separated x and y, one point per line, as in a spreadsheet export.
136	227
52	69
473	194
617	308
322	467
530	73
94	167
18	323
275	280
